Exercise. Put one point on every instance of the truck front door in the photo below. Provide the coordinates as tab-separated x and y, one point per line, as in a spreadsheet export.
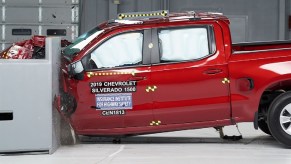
113	94
190	79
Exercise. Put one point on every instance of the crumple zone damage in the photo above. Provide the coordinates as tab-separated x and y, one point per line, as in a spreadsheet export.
33	48
67	104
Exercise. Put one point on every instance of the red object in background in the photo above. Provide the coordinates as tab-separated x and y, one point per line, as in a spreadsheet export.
28	49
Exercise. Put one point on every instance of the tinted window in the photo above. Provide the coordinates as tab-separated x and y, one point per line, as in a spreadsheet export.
183	44
121	50
82	41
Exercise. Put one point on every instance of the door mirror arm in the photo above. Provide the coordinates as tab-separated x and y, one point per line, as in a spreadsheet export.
76	70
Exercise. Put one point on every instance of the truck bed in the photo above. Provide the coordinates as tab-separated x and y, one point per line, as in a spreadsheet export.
256	46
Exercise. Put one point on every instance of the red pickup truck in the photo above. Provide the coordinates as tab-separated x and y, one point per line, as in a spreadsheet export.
158	72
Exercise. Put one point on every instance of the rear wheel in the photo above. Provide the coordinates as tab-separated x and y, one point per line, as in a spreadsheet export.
279	119
267	99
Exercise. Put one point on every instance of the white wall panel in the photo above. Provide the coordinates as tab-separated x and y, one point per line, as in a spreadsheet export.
39	16
21	15
21	2
16	38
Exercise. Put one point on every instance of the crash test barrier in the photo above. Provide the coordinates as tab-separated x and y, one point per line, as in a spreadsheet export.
28	122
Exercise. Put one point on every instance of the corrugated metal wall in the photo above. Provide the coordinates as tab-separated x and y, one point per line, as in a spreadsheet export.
94	12
257	19
252	20
22	19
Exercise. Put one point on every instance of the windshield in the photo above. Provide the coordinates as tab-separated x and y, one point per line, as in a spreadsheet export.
82	41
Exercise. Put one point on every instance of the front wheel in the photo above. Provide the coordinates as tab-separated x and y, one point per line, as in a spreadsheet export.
279	119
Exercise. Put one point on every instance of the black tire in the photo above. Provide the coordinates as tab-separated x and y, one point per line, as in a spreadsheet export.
264	127
280	107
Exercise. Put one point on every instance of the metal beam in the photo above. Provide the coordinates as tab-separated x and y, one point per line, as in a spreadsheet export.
113	7
283	12
165	5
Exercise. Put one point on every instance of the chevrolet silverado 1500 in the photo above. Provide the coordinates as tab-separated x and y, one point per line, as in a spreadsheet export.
158	72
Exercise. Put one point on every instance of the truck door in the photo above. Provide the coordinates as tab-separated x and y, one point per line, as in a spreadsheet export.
190	78
113	94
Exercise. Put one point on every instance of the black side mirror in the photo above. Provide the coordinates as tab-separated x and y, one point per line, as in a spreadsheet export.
76	70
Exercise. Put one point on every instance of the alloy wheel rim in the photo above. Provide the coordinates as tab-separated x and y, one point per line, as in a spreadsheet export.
285	119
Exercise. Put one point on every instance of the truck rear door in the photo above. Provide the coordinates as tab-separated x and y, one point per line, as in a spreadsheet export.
189	75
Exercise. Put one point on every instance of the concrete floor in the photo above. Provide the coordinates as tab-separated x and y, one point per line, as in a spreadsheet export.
191	146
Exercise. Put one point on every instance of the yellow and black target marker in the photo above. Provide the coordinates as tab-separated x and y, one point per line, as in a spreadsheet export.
136	15
91	74
155	123
5	56
151	88
225	80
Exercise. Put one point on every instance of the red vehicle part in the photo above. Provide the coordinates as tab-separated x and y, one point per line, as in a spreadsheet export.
28	49
234	83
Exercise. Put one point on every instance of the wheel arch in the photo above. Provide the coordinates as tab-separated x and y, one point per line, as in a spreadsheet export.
269	93
276	110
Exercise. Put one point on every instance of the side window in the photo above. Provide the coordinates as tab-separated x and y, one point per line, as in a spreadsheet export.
120	50
183	44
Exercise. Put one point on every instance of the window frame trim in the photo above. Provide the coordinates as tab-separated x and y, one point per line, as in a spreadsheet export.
85	57
211	43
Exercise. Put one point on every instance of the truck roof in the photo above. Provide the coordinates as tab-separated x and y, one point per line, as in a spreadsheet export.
171	17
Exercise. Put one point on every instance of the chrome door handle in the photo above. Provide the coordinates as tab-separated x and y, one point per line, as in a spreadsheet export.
137	78
212	71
